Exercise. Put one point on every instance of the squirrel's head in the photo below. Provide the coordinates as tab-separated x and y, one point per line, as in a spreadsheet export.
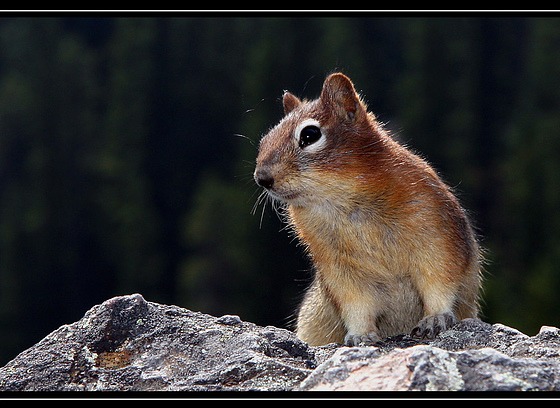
320	147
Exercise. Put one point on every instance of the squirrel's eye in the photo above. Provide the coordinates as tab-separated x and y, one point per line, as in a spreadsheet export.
309	135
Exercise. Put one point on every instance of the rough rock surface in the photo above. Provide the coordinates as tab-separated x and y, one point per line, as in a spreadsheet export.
129	344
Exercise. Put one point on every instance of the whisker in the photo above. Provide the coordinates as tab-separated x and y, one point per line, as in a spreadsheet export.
264	198
245	137
261	197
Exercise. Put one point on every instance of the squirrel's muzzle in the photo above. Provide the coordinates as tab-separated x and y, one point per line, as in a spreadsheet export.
263	178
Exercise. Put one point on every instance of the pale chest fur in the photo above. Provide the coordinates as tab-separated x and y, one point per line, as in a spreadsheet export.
366	263
356	246
353	247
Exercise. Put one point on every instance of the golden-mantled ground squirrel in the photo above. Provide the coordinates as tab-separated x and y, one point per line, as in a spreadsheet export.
392	249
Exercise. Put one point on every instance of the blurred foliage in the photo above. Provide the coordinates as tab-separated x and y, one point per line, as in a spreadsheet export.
127	147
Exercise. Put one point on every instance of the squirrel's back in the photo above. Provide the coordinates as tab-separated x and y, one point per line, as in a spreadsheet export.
393	250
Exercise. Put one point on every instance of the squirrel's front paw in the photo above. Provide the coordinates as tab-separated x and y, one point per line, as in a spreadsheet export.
361	339
430	326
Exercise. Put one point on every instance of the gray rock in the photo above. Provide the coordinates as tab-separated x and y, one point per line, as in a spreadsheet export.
472	356
129	344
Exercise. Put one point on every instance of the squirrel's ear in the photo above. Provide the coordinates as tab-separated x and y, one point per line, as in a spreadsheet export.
339	94
290	102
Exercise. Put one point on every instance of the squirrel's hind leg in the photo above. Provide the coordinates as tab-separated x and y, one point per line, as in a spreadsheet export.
319	321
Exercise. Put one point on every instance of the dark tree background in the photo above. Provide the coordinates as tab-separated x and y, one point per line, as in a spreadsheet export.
127	146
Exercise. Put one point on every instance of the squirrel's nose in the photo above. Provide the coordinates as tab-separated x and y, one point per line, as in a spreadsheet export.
264	178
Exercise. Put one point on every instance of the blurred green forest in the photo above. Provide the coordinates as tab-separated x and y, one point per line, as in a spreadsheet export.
127	146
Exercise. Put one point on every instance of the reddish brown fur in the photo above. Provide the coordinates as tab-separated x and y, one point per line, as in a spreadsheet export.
392	248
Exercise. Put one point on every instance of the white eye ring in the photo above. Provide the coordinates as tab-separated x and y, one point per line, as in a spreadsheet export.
315	145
